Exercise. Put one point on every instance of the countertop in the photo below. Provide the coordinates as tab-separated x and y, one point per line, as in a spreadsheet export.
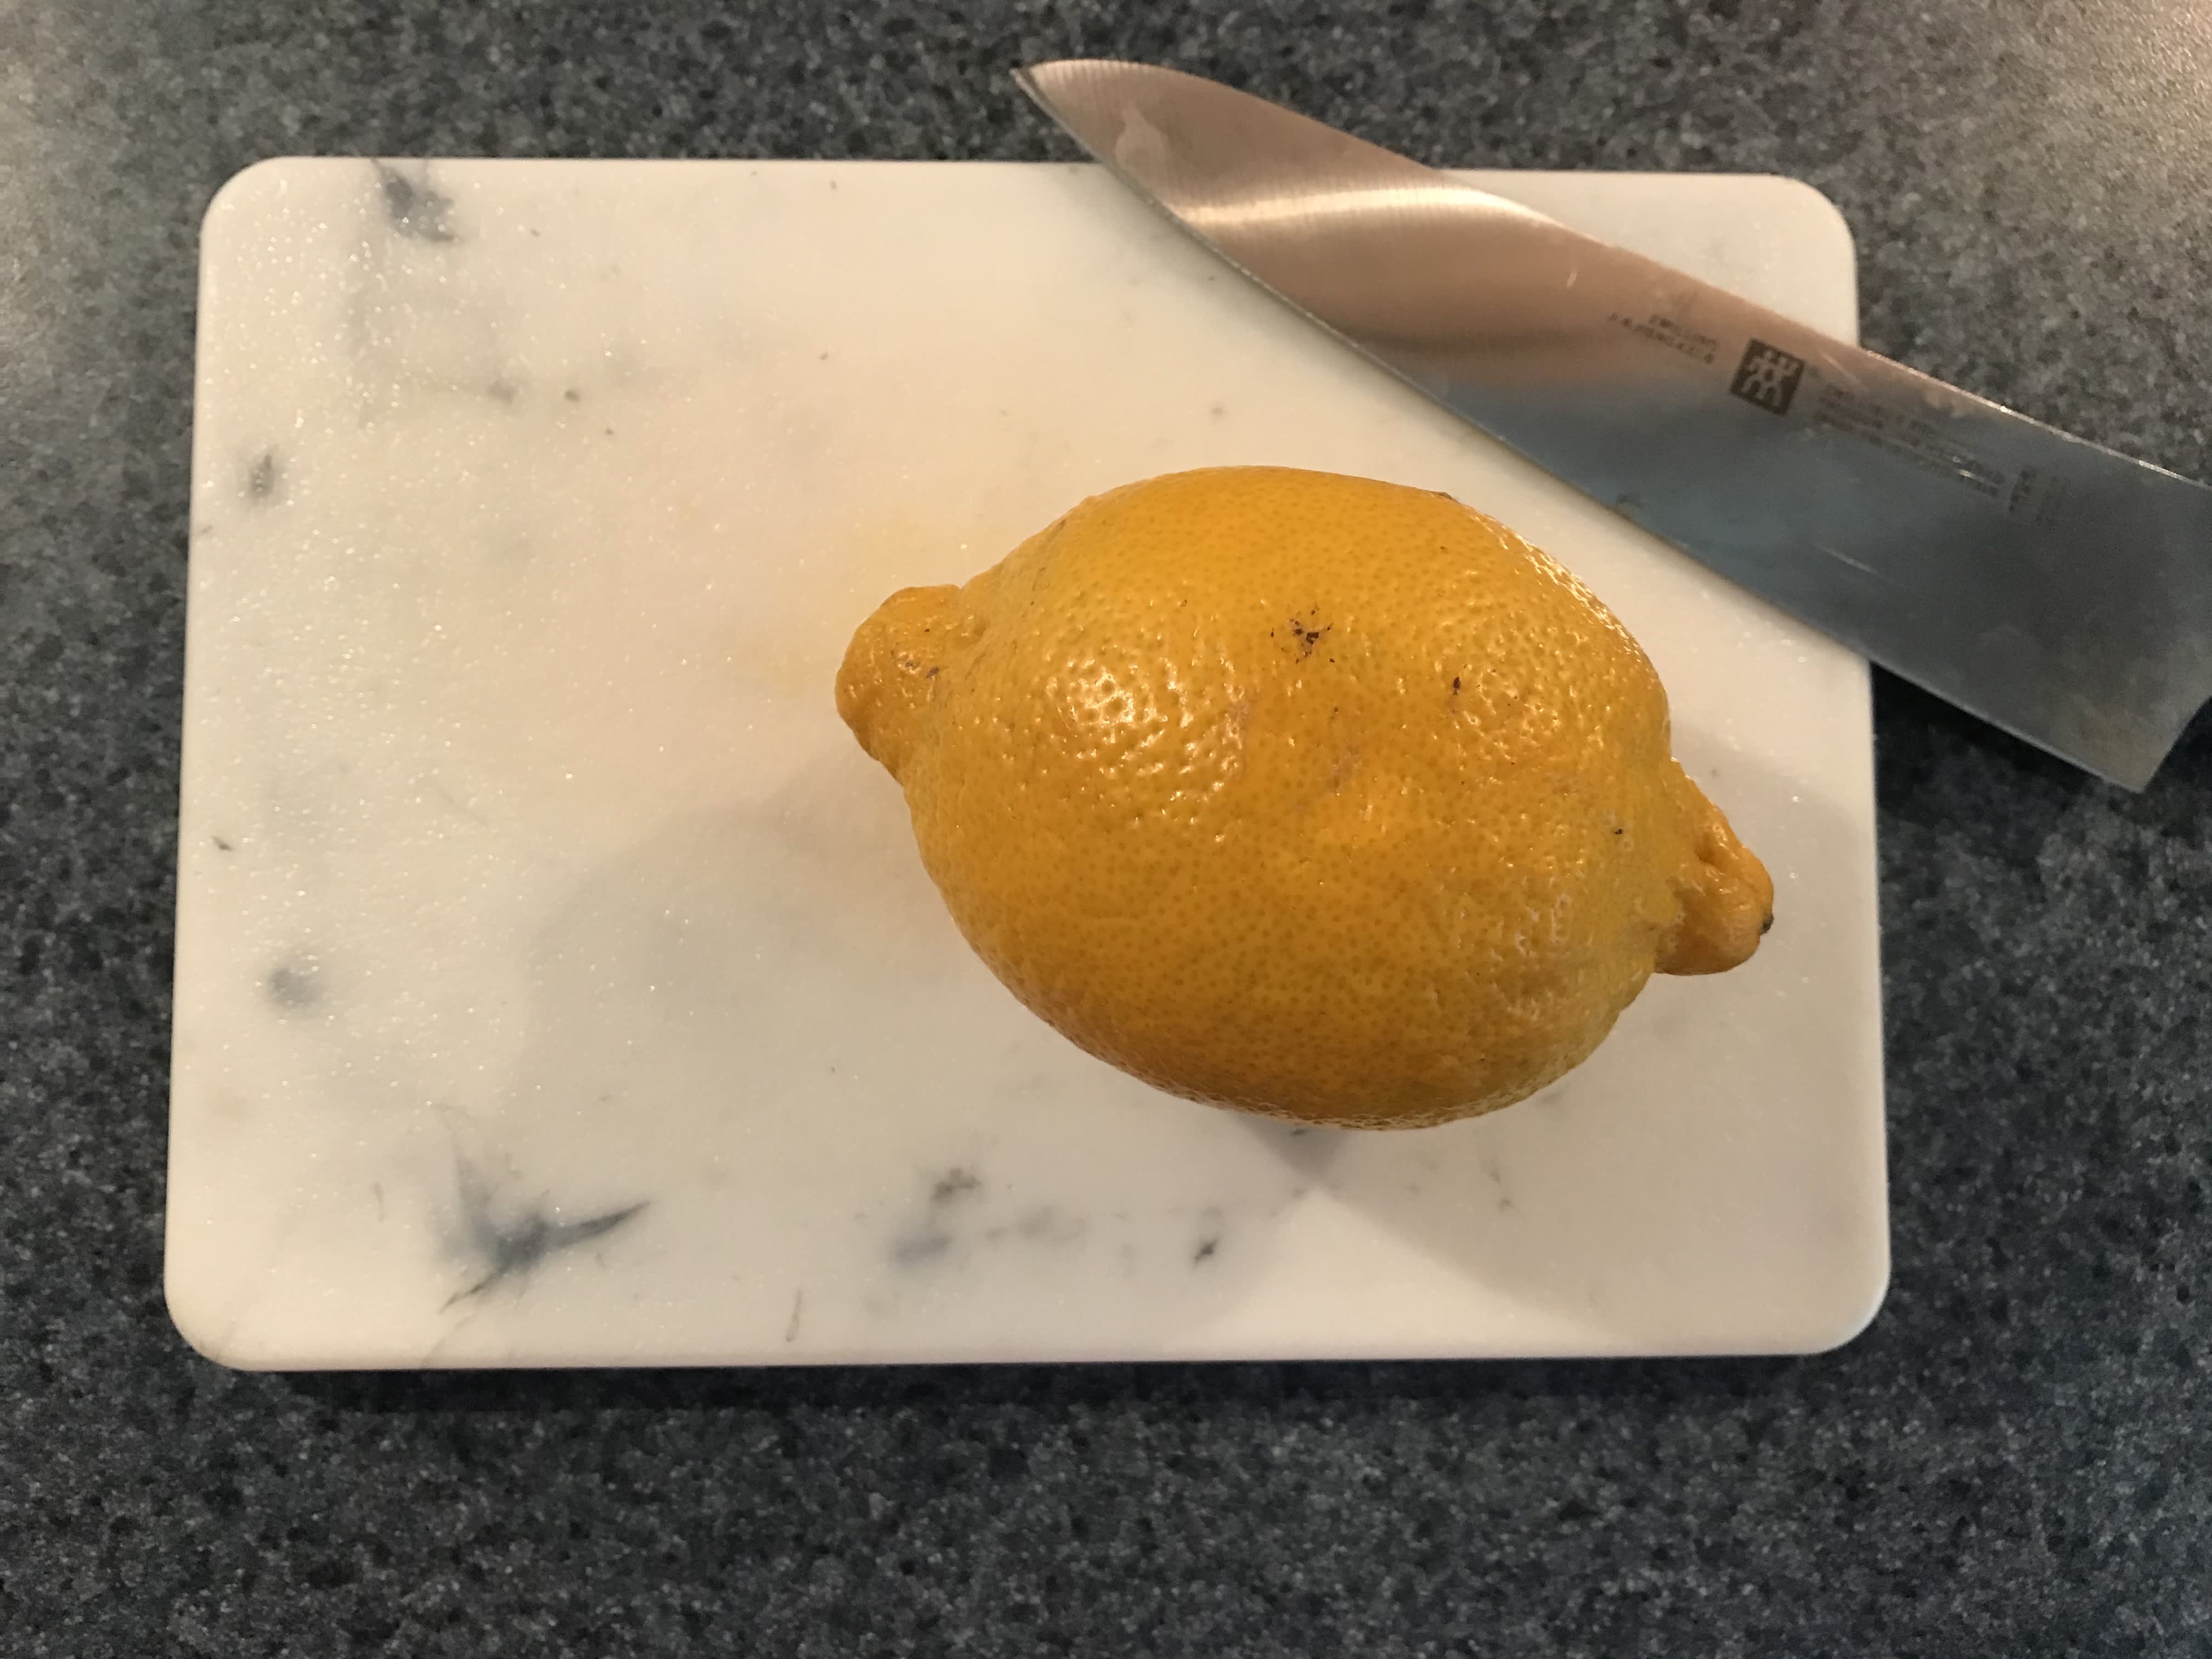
2015	1459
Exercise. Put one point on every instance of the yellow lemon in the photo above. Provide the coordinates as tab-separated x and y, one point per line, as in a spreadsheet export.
1303	794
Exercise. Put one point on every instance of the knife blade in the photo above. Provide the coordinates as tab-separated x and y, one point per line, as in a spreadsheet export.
2057	589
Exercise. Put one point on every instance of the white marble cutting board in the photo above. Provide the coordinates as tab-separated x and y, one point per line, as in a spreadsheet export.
556	983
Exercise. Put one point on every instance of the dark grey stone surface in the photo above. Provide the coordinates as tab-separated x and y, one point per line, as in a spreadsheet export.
2016	1459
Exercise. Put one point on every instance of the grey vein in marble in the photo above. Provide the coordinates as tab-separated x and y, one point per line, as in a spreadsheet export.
413	206
507	1244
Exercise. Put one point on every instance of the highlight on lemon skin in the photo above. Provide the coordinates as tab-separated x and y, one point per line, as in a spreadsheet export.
1303	794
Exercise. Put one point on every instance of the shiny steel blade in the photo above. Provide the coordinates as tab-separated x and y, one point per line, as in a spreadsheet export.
2057	589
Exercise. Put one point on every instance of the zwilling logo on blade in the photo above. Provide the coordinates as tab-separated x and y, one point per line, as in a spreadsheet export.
1767	376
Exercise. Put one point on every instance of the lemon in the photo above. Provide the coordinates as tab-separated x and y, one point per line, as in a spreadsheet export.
1307	795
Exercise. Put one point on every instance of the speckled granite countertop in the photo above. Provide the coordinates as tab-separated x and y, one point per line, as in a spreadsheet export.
2015	1460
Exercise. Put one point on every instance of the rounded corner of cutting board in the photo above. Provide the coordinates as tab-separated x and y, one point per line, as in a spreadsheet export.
250	188
192	1311
1858	1310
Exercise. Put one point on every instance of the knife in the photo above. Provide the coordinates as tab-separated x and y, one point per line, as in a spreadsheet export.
2054	588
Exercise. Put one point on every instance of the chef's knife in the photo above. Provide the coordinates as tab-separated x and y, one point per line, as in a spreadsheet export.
2057	589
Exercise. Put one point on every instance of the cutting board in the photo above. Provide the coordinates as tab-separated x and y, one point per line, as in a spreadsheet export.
557	982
